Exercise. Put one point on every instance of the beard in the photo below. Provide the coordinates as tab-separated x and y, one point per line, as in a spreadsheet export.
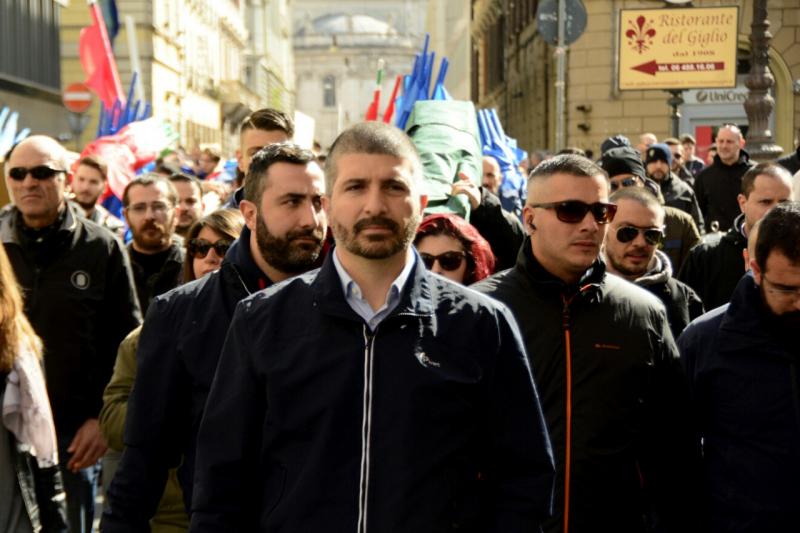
286	255
156	241
658	175
376	246
86	201
784	324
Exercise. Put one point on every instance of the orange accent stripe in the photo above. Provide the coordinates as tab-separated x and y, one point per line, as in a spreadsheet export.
568	451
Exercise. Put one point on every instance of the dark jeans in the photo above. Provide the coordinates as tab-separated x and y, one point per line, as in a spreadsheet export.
81	489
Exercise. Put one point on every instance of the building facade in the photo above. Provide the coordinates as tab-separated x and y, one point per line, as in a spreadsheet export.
337	52
204	63
515	72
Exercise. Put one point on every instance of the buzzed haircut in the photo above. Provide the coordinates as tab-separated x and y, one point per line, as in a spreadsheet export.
186	178
671	141
374	138
572	150
574	165
779	231
733	127
687	138
145	180
268	119
641	195
95	163
773	170
257	177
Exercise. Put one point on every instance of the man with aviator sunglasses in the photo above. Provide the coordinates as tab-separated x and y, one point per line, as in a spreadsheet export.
631	251
80	299
604	360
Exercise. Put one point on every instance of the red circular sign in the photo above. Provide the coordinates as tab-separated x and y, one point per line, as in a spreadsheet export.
77	97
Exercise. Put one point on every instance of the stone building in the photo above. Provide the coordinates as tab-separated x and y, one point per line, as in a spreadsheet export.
337	52
515	72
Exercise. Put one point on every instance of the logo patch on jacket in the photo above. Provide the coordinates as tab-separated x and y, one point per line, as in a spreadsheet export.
80	280
426	361
606	346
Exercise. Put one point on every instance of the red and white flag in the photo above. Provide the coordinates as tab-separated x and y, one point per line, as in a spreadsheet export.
98	61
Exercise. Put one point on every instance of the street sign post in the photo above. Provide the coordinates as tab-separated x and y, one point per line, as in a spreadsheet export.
547	20
77	98
689	48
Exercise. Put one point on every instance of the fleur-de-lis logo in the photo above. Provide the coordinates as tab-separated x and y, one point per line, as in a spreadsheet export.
641	33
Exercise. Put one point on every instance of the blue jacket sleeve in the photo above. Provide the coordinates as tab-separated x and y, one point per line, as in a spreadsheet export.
156	426
522	472
230	439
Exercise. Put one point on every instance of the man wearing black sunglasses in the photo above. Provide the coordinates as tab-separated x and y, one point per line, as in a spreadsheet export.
79	296
604	360
631	251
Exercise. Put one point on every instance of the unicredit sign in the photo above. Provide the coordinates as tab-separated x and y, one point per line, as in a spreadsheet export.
716	96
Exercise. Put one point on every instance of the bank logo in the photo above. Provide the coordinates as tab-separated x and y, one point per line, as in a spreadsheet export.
641	33
80	280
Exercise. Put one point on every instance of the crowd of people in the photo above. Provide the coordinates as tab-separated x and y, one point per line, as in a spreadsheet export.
303	349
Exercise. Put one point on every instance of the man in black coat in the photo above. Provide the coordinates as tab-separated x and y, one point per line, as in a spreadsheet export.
185	328
714	266
742	362
631	252
80	299
791	162
372	395
676	192
718	185
606	364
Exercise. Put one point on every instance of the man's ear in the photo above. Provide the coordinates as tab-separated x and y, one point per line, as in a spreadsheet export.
757	274
239	160
528	214
250	214
742	200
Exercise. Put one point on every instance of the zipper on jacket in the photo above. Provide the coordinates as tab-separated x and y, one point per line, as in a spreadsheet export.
366	426
565	326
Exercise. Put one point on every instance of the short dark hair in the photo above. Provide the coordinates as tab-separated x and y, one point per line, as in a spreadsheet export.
227	222
572	150
572	164
268	119
773	170
145	180
186	178
95	163
256	180
779	231
671	141
687	138
641	195
371	138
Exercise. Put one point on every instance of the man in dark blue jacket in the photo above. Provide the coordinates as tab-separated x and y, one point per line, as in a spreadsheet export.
372	395
742	361
184	330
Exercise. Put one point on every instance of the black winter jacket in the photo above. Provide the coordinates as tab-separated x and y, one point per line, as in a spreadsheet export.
166	279
681	235
791	162
177	356
716	265
630	444
744	378
677	193
717	187
682	303
80	299
430	423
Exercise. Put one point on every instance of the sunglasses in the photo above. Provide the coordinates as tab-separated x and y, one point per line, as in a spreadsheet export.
41	173
652	236
627	182
574	211
199	248
449	261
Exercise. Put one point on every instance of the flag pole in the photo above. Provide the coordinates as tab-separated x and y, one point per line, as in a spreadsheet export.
133	52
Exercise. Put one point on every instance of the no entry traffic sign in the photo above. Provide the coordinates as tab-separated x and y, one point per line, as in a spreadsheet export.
77	97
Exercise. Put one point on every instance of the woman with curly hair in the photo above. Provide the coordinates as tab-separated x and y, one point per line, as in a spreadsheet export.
32	494
450	246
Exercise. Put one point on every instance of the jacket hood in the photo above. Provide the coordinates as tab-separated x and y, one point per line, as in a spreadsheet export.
744	159
660	273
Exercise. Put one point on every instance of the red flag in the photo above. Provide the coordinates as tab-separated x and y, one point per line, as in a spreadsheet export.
98	61
387	115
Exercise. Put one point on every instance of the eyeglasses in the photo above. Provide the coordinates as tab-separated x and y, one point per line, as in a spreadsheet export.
199	248
574	211
627	182
652	236
158	208
786	293
41	172
449	261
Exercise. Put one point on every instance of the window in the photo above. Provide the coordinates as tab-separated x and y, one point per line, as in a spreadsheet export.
329	91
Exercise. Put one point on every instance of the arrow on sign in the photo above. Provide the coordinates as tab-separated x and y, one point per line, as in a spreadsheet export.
652	67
